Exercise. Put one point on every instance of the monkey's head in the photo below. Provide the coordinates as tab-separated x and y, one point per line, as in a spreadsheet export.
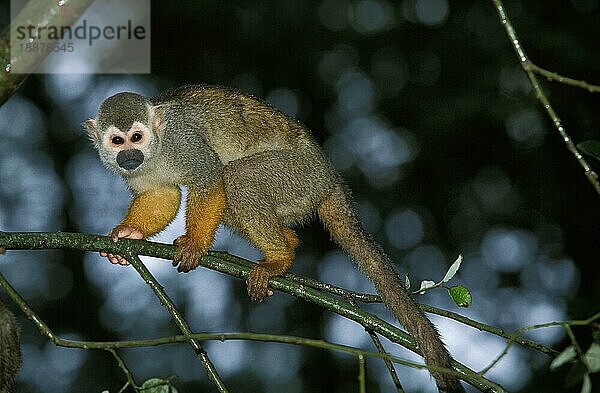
126	132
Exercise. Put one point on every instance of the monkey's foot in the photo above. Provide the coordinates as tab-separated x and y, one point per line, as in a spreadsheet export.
122	232
188	253
258	281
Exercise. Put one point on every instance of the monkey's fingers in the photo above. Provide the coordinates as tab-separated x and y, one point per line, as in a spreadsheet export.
257	283
188	254
186	263
116	259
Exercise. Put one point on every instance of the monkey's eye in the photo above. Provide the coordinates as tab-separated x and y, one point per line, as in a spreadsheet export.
136	137
117	140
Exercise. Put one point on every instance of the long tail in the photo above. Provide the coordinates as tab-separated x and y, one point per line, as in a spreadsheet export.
341	220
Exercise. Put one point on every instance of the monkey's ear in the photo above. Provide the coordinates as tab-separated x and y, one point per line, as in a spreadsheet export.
91	125
157	114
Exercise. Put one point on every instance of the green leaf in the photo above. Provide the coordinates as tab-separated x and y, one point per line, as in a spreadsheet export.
592	358
565	356
460	295
453	269
156	385
591	148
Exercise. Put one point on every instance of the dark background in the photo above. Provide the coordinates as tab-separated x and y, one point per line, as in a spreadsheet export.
422	106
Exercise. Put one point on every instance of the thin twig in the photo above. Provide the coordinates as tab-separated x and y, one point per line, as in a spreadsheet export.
553	76
45	330
525	63
565	324
124	387
381	350
126	371
371	298
488	328
178	318
30	314
388	363
362	374
574	342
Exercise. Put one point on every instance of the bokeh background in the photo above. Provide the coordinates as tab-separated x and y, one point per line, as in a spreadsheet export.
421	105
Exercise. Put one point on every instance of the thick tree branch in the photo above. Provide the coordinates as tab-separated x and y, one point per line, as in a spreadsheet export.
112	346
236	267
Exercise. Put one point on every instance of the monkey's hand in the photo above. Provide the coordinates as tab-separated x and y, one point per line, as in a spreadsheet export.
259	279
188	254
122	232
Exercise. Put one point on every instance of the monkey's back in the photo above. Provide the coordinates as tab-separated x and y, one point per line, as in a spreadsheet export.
271	161
235	125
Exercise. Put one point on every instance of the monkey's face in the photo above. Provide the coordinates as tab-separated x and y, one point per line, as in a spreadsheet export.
128	148
126	132
126	152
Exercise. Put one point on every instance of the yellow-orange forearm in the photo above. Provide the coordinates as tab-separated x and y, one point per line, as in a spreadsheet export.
204	212
151	211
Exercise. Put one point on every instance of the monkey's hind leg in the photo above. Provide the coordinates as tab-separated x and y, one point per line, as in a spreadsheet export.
277	244
291	238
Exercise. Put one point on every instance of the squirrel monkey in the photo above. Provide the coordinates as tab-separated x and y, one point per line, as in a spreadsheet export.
253	168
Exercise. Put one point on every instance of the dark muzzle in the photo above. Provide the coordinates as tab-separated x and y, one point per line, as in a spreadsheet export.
130	159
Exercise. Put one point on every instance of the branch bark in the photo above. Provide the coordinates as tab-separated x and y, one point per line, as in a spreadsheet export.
236	267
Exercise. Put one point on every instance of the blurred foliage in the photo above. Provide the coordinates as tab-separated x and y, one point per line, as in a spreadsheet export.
423	107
